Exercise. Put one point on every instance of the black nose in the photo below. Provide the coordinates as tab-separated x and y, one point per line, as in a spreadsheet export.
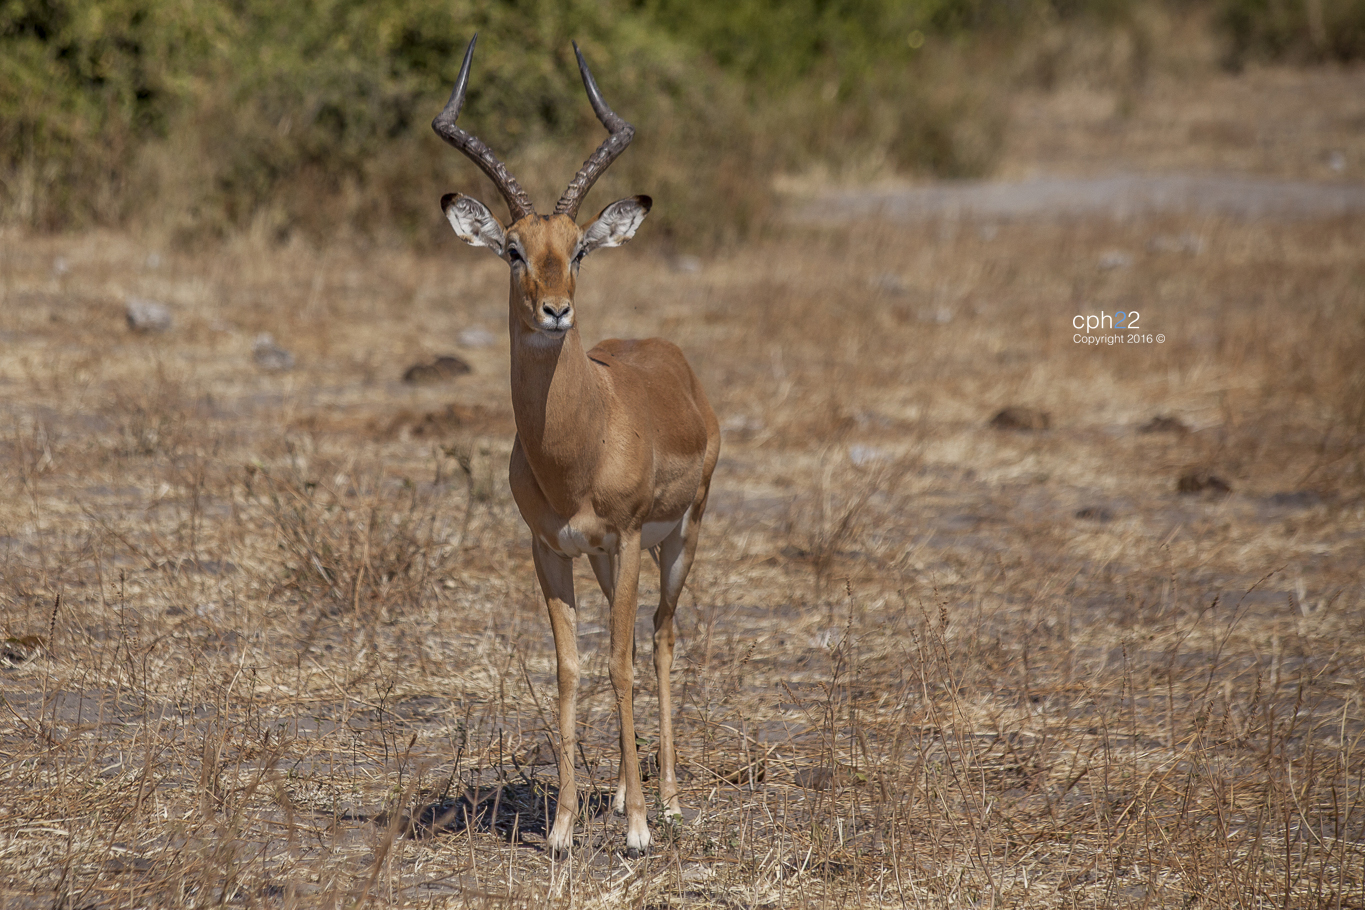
549	309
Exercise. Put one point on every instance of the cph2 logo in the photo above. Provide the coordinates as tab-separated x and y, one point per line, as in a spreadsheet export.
1122	319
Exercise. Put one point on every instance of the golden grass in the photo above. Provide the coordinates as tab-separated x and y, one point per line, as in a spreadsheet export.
263	632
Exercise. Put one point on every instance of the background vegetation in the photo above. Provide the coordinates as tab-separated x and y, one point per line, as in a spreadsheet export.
312	117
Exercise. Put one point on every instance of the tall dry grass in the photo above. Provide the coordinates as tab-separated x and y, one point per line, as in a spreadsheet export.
273	639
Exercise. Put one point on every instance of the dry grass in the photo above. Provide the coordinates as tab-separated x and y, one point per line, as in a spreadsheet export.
273	639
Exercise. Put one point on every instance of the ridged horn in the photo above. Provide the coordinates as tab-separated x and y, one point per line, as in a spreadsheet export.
610	149
518	203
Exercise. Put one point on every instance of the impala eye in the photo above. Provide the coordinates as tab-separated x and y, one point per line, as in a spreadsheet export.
514	255
578	257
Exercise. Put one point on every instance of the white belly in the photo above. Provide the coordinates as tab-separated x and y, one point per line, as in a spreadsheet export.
573	542
654	532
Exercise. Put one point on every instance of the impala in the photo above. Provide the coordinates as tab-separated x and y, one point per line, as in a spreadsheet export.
614	450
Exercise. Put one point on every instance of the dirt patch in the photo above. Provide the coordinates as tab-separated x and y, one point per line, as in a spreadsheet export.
1115	196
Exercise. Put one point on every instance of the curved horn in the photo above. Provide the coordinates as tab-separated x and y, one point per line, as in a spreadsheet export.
517	201
611	147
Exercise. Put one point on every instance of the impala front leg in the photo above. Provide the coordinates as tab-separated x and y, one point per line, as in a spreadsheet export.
623	604
556	582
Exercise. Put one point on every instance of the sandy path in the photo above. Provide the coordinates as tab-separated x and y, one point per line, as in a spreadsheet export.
1119	196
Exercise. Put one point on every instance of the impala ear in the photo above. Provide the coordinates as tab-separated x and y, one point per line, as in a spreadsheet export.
472	221
617	223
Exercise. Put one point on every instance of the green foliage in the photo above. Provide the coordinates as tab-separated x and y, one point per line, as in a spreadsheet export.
313	116
1301	30
81	86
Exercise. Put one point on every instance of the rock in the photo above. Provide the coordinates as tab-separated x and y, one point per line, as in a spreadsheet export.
863	455
1020	418
1202	481
147	316
1296	499
269	355
937	316
1164	423
742	425
1187	243
1115	259
889	283
439	370
689	265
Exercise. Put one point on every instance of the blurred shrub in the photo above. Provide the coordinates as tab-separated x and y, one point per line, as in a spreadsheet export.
312	117
82	85
1300	30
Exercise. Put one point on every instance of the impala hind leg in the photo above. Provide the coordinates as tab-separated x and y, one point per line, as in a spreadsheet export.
675	561
555	573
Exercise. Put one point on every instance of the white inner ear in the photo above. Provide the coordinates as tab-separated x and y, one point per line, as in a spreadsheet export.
617	224
473	223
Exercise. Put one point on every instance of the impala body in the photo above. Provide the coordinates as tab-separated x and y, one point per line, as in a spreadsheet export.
614	451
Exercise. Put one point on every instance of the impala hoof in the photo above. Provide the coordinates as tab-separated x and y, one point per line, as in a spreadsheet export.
559	844
637	845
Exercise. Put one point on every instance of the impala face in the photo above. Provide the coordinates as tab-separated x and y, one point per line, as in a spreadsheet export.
544	252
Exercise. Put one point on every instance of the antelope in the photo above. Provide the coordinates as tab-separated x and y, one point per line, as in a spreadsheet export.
614	450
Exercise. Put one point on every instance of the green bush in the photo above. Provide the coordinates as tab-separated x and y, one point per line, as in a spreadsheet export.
312	117
1298	30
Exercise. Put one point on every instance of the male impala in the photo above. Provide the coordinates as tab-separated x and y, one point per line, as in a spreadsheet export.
615	445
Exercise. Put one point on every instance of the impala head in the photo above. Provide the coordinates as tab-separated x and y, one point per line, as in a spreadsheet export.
543	251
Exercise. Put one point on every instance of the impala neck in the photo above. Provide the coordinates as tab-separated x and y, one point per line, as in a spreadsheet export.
558	404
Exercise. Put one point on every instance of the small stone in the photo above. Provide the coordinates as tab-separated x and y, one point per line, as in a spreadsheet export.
862	455
269	355
1021	418
742	425
1296	499
147	316
1202	481
442	368
689	265
1115	259
60	267
889	283
476	337
1187	243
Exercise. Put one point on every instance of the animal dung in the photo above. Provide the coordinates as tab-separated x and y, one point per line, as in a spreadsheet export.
1164	423
439	370
1202	481
1020	418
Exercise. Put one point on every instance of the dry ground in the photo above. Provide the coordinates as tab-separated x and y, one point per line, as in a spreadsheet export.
273	638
